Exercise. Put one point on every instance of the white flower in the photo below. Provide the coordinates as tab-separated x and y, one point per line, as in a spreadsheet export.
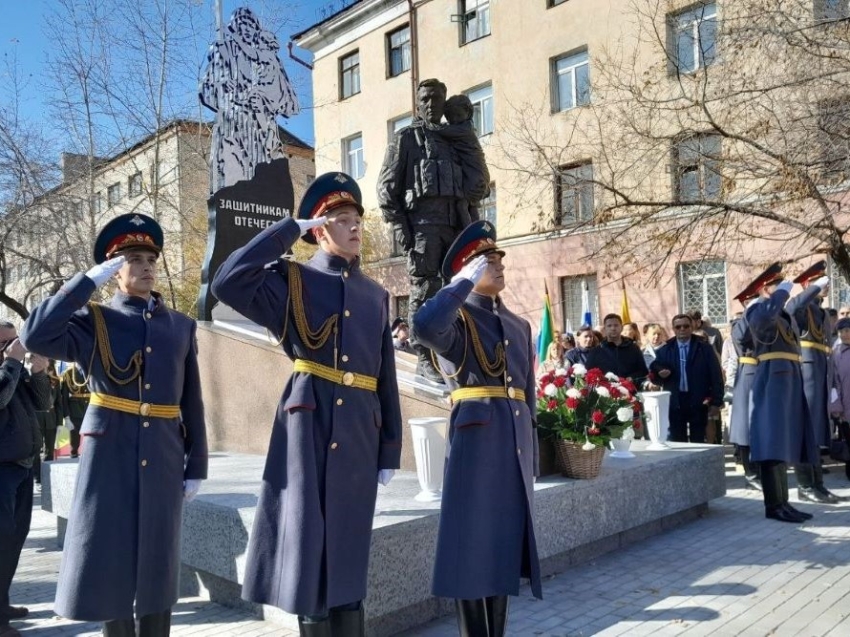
612	376
572	392
625	414
628	433
561	372
602	391
550	390
579	369
588	446
625	393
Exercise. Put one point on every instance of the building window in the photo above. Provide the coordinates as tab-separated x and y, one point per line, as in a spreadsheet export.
571	81
488	206
402	305
831	9
349	72
113	194
475	21
702	286
574	192
839	290
697	161
134	185
352	156
578	294
482	109
395	125
693	37
97	203
398	51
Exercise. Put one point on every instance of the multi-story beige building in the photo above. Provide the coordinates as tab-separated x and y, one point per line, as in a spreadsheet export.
165	175
594	114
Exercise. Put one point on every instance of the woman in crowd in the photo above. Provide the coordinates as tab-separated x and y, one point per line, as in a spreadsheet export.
630	330
585	341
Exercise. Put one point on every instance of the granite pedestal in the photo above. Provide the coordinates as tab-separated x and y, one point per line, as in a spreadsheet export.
575	520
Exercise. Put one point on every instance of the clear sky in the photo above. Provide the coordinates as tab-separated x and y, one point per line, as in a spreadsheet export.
22	33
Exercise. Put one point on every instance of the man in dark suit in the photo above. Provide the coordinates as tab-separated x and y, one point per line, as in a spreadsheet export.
690	370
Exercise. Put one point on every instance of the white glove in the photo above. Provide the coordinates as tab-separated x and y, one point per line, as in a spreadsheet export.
102	272
190	489
822	282
785	286
305	225
385	475
473	271
68	424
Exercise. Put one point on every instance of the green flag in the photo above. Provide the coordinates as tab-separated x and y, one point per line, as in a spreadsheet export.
545	337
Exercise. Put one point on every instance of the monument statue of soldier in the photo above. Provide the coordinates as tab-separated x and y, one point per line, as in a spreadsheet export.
431	182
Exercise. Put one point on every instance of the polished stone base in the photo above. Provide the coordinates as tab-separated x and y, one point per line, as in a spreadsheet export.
575	521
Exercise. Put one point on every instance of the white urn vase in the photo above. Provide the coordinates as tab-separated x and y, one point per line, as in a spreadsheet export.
620	448
656	405
429	450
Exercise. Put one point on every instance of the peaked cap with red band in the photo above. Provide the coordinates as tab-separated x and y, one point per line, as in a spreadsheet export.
479	237
772	275
326	193
132	230
814	271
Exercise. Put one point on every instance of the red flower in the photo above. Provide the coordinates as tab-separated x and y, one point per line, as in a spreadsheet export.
540	393
628	385
547	378
584	391
593	431
552	404
572	403
636	425
594	376
559	381
597	417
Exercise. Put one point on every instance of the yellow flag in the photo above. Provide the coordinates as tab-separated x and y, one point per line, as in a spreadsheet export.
624	307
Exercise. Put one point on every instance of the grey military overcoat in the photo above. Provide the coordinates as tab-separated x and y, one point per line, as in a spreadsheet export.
122	544
309	549
780	428
486	539
815	334
739	428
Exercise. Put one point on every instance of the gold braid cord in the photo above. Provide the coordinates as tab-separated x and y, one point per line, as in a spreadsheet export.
134	367
71	375
311	339
788	336
493	368
814	330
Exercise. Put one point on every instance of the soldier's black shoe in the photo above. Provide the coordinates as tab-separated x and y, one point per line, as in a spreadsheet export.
810	494
802	514
782	514
752	482
829	495
14	612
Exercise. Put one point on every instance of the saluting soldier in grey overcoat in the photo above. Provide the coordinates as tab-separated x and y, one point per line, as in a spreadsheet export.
815	339
337	431
146	446
780	428
486	539
739	427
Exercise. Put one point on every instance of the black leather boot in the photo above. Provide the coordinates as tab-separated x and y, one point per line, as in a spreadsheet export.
314	629
472	618
775	500
155	624
752	477
119	628
831	497
348	623
497	614
425	365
